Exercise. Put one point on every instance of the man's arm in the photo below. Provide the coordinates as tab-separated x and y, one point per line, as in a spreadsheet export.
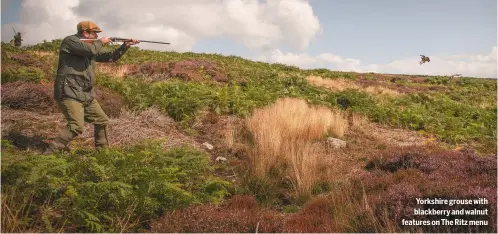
106	55
77	47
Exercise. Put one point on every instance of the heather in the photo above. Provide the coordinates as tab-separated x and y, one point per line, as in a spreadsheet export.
214	143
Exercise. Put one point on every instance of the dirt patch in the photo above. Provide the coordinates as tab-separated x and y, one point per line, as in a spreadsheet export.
111	102
188	70
224	133
396	137
40	98
130	128
28	96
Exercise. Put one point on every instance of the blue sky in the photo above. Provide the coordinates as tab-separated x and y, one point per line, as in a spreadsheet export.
384	30
380	34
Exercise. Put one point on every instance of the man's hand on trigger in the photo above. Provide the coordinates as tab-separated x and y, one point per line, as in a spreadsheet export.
132	42
105	40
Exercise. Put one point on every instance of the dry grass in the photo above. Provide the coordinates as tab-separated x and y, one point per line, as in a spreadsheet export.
28	96
343	84
286	131
128	129
379	90
117	71
357	121
332	84
15	211
349	204
44	53
230	132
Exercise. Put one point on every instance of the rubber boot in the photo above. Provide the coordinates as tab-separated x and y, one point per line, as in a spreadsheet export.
100	137
61	142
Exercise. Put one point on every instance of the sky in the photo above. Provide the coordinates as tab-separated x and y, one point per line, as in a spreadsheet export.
384	36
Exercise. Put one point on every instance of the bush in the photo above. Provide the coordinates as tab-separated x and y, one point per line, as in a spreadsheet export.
242	214
108	191
11	73
400	175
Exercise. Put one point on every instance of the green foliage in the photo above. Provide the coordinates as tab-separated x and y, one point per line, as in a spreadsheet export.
291	209
183	100
321	187
462	113
9	48
94	190
49	46
262	188
353	99
437	80
24	73
216	189
326	73
453	121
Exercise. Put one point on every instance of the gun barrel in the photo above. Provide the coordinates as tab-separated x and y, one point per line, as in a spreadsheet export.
128	39
157	42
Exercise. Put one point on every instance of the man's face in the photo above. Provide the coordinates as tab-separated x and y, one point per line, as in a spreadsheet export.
90	35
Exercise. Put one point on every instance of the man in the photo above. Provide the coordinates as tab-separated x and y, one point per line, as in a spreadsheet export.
18	40
74	84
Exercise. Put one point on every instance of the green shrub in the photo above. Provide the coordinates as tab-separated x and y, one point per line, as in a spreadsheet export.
20	73
94	191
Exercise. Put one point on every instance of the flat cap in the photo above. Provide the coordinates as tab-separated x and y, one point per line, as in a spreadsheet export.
88	26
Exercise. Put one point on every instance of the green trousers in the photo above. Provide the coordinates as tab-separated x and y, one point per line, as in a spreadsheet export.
76	114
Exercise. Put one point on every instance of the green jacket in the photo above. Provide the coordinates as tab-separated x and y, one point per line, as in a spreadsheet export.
75	73
17	40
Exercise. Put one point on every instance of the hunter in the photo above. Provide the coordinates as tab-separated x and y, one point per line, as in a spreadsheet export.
74	84
17	41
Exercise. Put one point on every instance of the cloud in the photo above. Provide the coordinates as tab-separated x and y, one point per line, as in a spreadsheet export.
262	26
259	25
477	65
39	20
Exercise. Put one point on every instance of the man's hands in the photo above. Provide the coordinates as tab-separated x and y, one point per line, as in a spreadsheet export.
105	40
132	42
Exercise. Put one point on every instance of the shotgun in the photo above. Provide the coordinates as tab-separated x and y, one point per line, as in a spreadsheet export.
119	39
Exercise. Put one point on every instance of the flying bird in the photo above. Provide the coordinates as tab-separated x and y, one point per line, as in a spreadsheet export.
424	59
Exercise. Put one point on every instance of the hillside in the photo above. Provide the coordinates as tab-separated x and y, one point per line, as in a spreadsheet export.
212	143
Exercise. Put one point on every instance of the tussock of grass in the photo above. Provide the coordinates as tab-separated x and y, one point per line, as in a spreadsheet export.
285	133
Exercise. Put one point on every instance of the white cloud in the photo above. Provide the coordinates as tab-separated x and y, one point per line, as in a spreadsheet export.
258	25
478	65
262	26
